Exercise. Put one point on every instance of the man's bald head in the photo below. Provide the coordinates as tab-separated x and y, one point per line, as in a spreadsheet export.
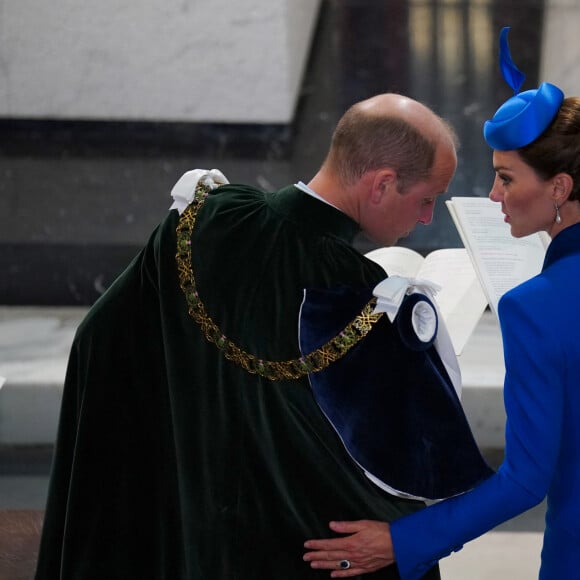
388	130
413	112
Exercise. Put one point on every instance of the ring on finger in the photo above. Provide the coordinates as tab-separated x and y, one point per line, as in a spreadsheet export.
344	564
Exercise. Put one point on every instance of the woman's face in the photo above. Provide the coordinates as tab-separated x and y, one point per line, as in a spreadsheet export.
526	200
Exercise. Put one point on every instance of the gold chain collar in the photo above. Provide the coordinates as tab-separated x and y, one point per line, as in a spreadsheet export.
272	370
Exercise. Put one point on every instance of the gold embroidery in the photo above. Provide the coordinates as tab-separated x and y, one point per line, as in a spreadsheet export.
272	370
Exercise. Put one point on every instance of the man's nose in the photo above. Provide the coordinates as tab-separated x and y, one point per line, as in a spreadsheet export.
426	216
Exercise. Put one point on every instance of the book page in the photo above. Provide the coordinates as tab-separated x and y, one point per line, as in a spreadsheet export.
397	261
461	300
501	261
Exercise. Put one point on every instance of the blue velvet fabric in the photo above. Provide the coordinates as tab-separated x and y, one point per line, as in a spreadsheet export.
394	407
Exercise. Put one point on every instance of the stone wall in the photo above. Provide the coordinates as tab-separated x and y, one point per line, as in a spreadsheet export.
161	60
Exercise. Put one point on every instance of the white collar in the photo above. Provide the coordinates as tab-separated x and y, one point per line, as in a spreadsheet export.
303	187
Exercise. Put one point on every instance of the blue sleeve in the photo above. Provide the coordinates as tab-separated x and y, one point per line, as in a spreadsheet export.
423	538
534	403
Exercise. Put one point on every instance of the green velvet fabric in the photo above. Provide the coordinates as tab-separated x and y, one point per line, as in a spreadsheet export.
172	462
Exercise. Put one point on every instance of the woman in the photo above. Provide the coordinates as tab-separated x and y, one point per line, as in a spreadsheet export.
535	136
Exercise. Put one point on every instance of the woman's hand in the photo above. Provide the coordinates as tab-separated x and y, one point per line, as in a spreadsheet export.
368	548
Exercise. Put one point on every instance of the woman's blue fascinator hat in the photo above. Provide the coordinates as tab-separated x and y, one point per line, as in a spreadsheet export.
525	116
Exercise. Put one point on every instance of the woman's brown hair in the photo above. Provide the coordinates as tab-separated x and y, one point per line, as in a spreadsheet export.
557	150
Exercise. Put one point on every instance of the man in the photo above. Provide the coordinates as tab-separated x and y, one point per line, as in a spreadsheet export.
190	444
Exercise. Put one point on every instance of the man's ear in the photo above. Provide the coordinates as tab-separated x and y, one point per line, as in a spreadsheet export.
384	182
563	184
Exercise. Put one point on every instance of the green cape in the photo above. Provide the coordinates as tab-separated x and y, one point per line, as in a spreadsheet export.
172	461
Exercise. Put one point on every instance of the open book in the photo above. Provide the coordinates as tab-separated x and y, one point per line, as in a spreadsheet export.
500	260
461	300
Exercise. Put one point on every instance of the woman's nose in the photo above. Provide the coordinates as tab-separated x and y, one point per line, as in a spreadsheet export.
495	193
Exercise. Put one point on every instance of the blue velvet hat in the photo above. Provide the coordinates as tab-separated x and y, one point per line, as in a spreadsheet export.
525	116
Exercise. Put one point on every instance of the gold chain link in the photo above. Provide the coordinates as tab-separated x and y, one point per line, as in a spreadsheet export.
273	370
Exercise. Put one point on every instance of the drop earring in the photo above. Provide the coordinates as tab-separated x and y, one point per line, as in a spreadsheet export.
558	218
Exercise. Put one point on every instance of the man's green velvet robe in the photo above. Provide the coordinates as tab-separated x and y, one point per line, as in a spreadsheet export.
173	462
